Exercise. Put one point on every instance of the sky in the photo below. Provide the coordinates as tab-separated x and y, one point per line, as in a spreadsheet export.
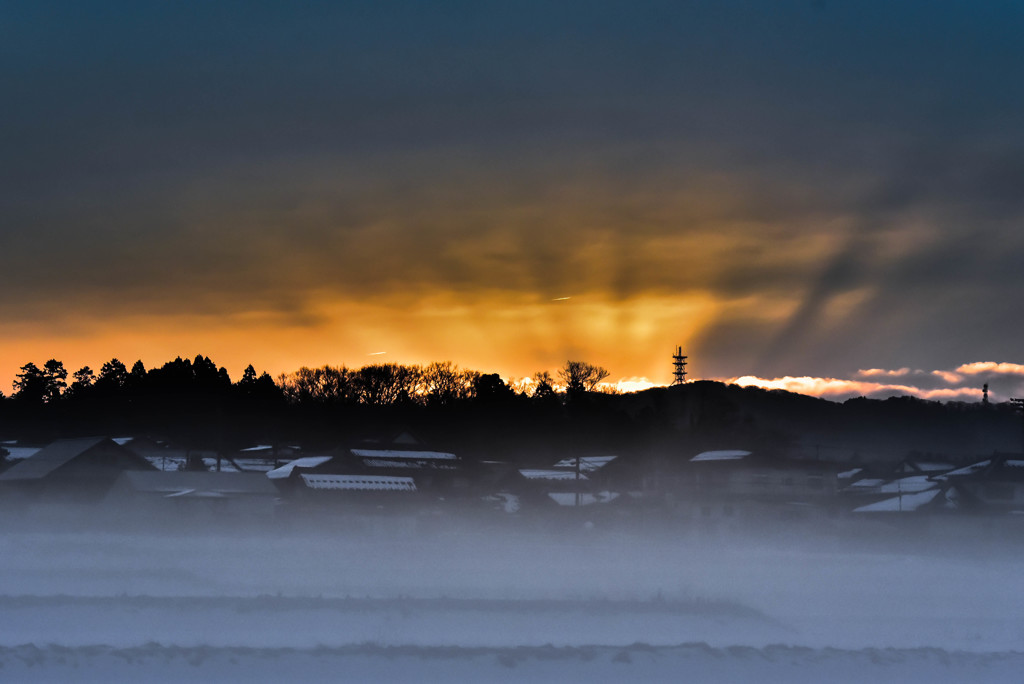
804	190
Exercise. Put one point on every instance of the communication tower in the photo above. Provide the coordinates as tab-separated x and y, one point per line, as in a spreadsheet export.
679	363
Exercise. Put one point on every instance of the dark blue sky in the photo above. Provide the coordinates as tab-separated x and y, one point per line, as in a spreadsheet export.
789	187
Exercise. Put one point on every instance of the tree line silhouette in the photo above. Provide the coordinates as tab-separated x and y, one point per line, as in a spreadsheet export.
438	383
196	403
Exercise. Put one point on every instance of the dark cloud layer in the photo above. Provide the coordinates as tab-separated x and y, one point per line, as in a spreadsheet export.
841	180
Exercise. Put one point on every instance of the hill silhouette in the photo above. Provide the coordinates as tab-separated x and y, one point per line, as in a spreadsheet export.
196	404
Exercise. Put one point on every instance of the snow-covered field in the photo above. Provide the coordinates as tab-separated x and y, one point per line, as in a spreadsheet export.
325	603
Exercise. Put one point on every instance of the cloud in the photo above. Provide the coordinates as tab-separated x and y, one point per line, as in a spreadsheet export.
838	389
992	369
951	378
634	384
920	378
845	195
881	372
963	384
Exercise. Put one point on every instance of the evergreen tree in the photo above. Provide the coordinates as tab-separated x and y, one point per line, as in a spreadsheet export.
113	376
84	378
30	384
56	377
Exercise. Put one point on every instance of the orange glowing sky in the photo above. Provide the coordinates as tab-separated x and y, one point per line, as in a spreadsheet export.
794	190
511	281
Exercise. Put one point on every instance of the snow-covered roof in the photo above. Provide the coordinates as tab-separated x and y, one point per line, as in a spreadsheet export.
380	483
285	471
968	470
167	464
588	464
569	498
121	441
410	455
17	453
907	485
866	483
253	465
197	484
847	474
225	465
932	467
196	494
391	463
904	503
259	447
724	455
543	474
60	453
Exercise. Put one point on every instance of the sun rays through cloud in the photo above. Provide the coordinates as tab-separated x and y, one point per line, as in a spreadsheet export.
291	188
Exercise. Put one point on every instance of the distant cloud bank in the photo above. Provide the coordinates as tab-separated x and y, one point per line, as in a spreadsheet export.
963	383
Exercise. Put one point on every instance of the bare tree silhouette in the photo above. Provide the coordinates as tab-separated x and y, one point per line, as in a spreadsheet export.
580	376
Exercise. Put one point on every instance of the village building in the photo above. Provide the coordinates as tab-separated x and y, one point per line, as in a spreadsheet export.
335	481
739	484
184	494
71	470
912	486
994	485
569	483
262	458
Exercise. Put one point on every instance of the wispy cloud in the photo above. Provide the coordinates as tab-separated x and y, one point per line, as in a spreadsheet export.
881	372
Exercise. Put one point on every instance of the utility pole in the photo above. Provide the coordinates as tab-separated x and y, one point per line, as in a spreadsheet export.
1018	404
578	498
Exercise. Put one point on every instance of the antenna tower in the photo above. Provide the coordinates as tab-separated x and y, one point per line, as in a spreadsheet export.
679	363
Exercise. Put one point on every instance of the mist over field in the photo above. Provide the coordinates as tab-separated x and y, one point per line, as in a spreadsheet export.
449	601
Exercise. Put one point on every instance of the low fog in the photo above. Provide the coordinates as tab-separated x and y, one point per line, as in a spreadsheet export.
415	599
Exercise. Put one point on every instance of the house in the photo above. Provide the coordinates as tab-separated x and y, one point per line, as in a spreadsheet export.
12	451
358	483
170	458
263	458
320	481
289	470
571	482
937	498
436	473
912	486
735	483
914	466
880	487
194	493
993	485
72	469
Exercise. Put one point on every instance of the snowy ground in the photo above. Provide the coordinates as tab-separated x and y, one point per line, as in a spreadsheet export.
867	603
